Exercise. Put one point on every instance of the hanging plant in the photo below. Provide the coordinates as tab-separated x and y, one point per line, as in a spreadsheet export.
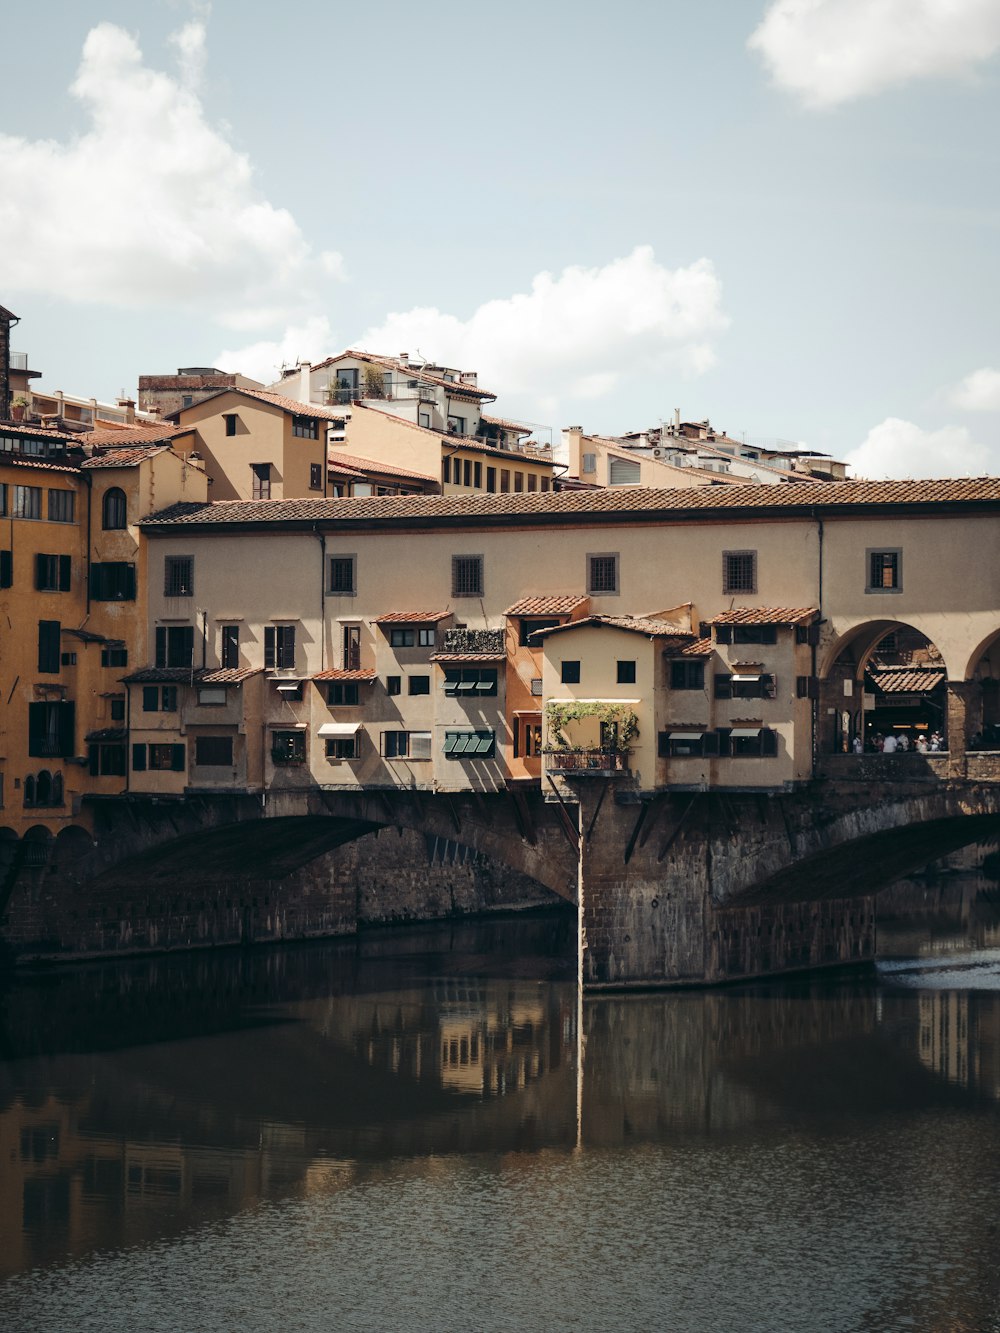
620	716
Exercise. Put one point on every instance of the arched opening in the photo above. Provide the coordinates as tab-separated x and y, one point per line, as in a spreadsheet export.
115	509
29	789
37	845
982	690
884	690
43	788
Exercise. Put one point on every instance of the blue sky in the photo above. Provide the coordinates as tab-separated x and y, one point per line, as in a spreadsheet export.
779	214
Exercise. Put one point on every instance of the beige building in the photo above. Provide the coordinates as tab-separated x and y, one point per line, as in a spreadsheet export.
383	630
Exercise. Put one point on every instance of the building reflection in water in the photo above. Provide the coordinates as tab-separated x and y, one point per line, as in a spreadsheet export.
140	1100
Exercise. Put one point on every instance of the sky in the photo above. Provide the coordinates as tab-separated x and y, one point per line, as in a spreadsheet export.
780	215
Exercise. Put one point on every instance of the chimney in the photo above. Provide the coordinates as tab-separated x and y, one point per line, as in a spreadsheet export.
129	406
305	382
404	357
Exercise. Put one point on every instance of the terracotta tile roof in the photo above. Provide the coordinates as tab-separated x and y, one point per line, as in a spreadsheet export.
412	617
547	606
625	504
340	470
682	647
8	427
375	465
653	629
766	615
191	676
125	457
278	400
907	680
131	435
16	460
504	424
341	673
406	368
467	657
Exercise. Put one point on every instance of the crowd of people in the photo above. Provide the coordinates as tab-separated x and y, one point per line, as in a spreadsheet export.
899	742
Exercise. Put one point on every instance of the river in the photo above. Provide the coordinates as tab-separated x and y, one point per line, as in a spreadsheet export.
426	1129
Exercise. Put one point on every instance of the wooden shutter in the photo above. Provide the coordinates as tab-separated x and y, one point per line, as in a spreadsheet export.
177	758
65	572
269	645
6	568
67	728
138	758
161	645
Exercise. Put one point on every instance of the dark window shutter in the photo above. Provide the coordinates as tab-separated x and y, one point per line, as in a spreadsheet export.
177	758
187	640
138	758
769	634
48	646
161	645
128	583
93	754
269	645
723	634
663	745
41	563
768	742
36	727
6	568
67	728
710	743
725	742
724	687
768	687
150	699
65	572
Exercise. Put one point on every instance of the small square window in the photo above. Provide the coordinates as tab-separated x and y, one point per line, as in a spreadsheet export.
419	684
342	575
230	419
394	684
467	576
626	673
178	580
401	636
885	571
739	571
570	673
602	574
315	476
426	638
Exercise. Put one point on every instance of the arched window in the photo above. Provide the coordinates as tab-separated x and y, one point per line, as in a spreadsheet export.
29	790
43	788
57	789
114	509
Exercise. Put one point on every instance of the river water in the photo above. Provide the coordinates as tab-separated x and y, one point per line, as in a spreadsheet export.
425	1129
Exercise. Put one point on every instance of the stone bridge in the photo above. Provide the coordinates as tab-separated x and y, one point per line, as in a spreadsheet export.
677	888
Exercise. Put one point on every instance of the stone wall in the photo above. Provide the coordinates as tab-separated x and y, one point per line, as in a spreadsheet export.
381	878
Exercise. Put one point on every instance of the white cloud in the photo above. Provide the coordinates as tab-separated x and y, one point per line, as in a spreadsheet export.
309	341
897	448
978	392
147	203
831	51
575	335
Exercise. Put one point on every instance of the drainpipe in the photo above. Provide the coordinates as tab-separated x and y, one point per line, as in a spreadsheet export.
321	538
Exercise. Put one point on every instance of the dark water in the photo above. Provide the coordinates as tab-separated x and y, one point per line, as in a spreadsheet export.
426	1130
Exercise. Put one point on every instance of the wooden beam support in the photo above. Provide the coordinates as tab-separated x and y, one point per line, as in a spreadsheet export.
597	810
677	828
450	804
657	808
568	826
630	848
522	816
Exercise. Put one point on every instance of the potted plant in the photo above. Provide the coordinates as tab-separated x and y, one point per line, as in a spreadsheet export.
18	407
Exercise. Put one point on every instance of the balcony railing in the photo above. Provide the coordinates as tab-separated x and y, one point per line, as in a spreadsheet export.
594	763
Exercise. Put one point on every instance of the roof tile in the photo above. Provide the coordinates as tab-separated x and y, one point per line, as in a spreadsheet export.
766	615
548	606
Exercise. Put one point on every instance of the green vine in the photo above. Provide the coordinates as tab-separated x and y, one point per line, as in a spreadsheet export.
560	715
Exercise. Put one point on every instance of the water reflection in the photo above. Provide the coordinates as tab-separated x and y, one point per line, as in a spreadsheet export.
416	1074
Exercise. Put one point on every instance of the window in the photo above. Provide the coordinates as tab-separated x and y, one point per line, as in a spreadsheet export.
113	510
114	657
261	481
456	425
528	627
394	684
745	685
6	569
469	744
532	481
518	481
174	645
351	645
48	646
424	419
315	476
187	399
306	428
527	738
52	573
467	576
343	693
68	659
341	747
624	471
3	498
504	480
27	502
406	744
62	506
342	575
626	673
213	751
752	742
806	687
230	647
419	684
467	471
106	760
112	581
51	729
746	634
739	571
230	418
602	574
446	468
545	483
401	636
491	479
885	571
477	475
426	638
589	463
288	747
213	696
159	698
687	675
116	708
570	674
164	758
178	576
45	789
279	646
470	681
685	744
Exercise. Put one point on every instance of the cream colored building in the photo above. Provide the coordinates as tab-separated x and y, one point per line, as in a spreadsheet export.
383	627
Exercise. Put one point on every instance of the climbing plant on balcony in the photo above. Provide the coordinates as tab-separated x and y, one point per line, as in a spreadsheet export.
559	716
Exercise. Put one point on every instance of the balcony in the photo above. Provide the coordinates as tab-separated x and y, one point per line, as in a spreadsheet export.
474	641
587	763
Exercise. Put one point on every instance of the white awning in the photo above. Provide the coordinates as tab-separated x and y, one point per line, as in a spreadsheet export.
288	726
686	735
744	733
744	678
339	729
